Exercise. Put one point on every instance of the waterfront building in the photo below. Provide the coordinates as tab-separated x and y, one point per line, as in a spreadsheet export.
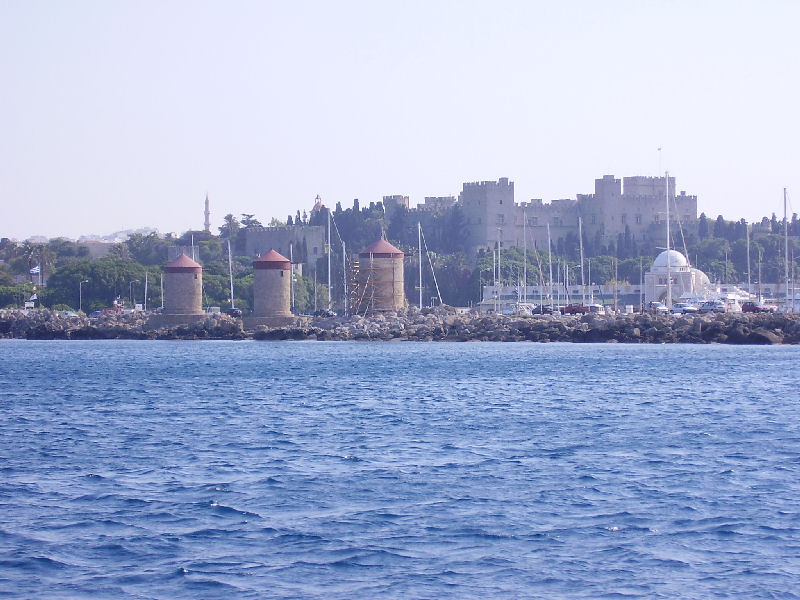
686	281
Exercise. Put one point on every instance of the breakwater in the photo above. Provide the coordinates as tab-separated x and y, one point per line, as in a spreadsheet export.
439	324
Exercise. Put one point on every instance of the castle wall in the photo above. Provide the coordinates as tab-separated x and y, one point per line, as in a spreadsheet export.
561	215
637	203
259	240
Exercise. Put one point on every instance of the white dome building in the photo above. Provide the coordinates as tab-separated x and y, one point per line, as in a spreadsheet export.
677	261
686	280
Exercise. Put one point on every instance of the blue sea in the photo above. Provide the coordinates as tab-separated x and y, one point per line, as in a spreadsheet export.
184	470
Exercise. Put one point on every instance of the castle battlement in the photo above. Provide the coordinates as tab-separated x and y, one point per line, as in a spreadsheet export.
502	182
283	228
619	206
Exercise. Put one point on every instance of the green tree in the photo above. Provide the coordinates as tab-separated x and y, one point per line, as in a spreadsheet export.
702	227
249	221
147	249
230	228
108	279
14	296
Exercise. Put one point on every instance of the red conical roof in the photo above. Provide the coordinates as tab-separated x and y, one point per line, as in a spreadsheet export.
272	260
182	264
382	249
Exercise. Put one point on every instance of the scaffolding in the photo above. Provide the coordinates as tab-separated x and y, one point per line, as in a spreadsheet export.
376	286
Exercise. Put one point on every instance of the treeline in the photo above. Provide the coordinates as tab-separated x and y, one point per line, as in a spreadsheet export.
121	275
717	247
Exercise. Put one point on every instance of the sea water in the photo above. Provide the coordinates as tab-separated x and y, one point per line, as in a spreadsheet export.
398	470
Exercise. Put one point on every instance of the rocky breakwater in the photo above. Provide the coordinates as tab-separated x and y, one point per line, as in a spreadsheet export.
53	325
444	324
439	324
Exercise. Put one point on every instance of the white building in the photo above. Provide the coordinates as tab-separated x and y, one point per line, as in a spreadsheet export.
686	280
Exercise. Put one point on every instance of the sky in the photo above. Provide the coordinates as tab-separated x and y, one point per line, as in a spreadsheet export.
120	115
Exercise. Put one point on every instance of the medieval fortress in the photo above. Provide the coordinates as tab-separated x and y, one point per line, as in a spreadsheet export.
635	204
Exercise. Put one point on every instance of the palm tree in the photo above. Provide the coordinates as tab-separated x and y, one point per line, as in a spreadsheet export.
29	251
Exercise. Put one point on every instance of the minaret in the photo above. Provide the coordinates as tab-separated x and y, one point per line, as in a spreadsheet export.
208	216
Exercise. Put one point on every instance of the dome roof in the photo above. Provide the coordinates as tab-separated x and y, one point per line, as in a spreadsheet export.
701	279
182	264
382	249
272	260
676	261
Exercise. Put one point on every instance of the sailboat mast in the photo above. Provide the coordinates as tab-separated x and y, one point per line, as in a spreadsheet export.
669	259
583	283
550	264
230	271
747	233
499	272
494	276
524	258
419	241
330	250
641	285
344	277
786	250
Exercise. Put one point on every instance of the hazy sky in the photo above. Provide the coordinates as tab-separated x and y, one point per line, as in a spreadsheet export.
117	115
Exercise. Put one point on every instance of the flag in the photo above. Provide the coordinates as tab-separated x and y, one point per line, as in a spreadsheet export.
35	270
32	298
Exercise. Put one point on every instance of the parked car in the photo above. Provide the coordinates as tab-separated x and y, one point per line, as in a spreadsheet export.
236	313
758	307
541	309
95	314
575	309
712	306
683	308
658	308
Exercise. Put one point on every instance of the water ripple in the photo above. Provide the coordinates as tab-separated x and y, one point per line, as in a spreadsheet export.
292	470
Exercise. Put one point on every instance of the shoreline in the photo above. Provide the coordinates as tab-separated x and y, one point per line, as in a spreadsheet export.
427	325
